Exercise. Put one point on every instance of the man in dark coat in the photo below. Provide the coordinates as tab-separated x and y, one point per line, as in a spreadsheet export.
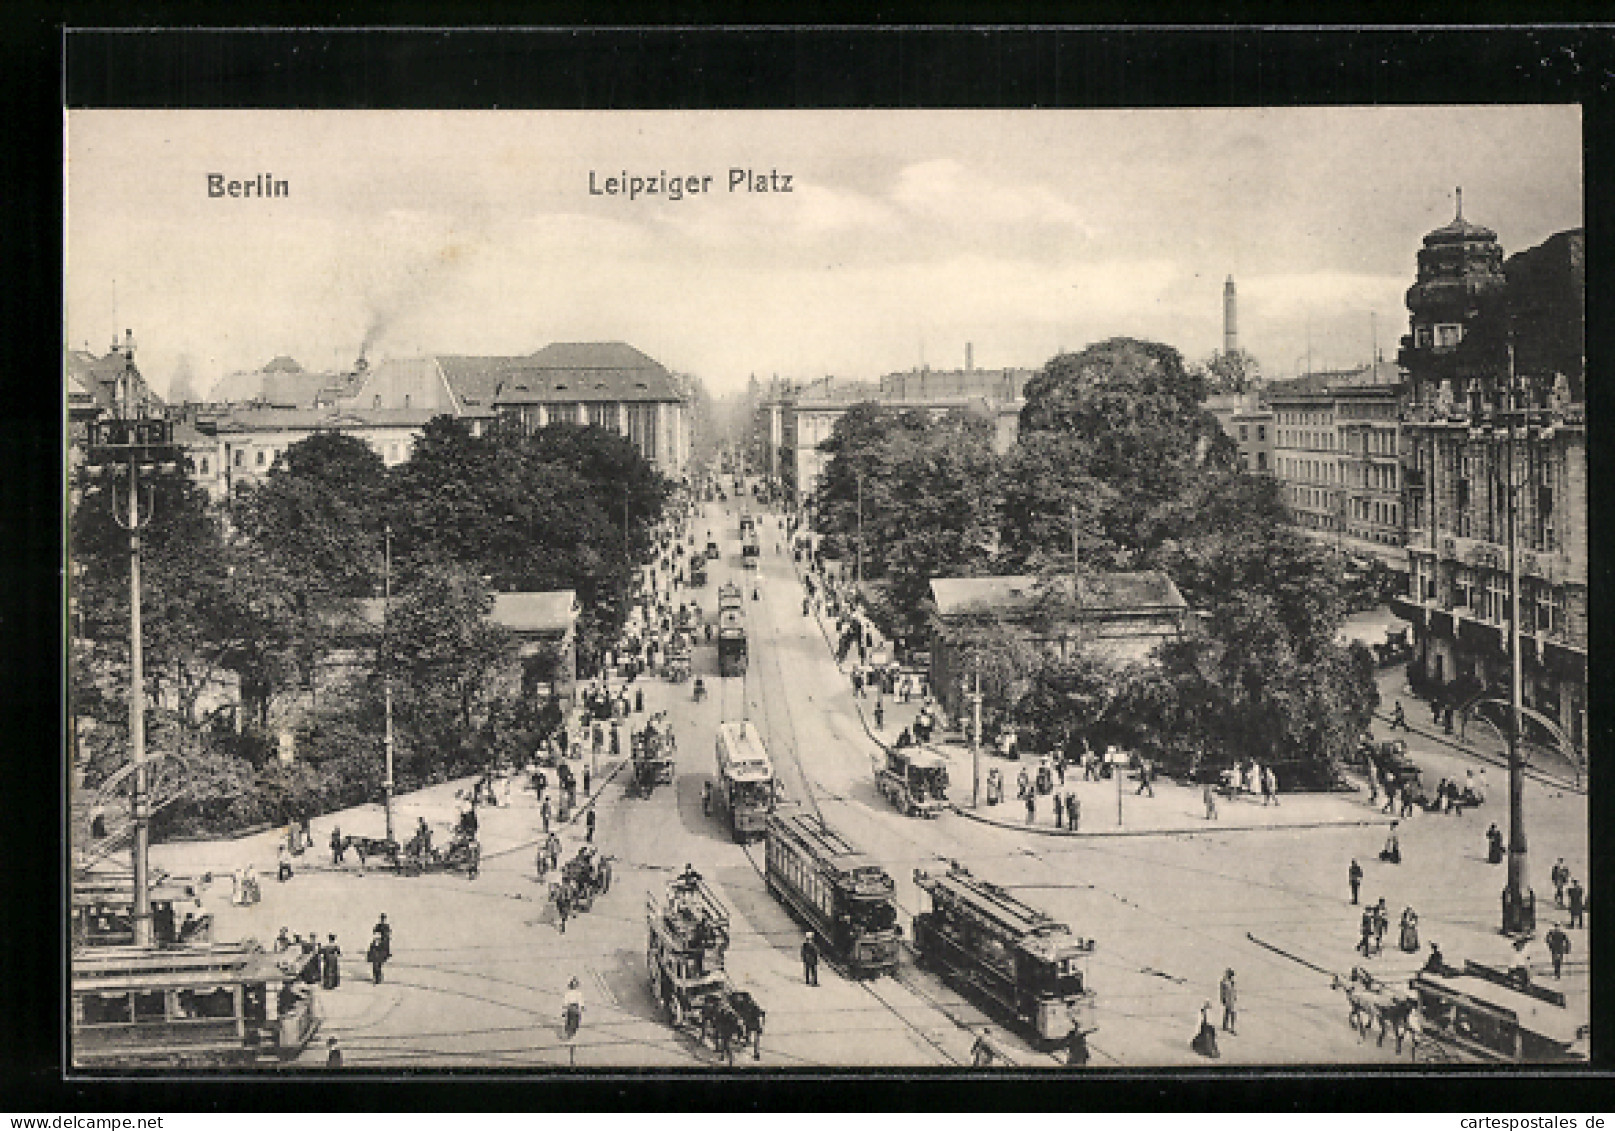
337	847
588	822
381	946
1577	899
810	960
330	964
1558	946
1354	876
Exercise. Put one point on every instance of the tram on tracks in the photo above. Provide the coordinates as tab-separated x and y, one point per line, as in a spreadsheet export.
103	911
1015	956
750	551
219	1004
745	789
842	894
731	630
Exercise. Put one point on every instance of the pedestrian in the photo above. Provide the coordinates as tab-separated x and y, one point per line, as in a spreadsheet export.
333	1054
1271	785
858	682
1267	787
1577	899
1392	852
1230	1001
1558	946
1407	803
553	845
330	964
588	822
1409	940
1059	771
282	942
1031	807
1435	713
285	858
543	861
1059	811
544	812
1366	943
1145	778
586	768
1382	923
1354	876
984	1053
1205	1039
337	847
810	960
381	949
1208	794
1077	1055
605	874
563	904
1560	876
639	700
1494	845
1073	812
880	714
1399	719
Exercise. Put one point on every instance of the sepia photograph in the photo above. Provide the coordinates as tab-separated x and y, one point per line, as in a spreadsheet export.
747	591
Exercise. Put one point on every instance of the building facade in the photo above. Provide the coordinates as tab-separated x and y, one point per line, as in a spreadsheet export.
1120	617
609	385
1306	451
804	417
1248	422
1495	429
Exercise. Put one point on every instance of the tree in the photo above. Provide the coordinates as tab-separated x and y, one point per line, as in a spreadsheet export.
1127	415
1234	372
319	514
927	494
448	662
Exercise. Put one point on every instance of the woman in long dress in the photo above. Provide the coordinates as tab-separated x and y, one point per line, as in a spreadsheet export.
1410	931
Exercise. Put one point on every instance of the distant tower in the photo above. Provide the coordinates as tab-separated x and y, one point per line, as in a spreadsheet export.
1230	320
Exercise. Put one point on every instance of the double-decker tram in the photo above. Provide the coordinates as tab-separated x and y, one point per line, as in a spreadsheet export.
846	897
214	1004
745	789
1006	951
731	630
103	911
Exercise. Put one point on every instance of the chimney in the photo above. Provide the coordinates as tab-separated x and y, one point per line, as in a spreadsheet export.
970	357
1230	322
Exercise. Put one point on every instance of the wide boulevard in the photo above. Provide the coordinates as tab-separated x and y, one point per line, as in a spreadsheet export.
1173	900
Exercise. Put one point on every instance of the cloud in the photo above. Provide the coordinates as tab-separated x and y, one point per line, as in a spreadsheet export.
947	191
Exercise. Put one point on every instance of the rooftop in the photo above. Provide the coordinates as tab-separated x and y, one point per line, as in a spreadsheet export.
561	371
1131	592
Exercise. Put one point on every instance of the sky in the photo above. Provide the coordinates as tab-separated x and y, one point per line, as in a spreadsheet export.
904	236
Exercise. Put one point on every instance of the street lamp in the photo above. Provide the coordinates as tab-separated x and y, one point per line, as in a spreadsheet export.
134	440
858	578
1519	901
387	687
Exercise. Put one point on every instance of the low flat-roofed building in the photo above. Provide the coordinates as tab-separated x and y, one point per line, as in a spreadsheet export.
1118	616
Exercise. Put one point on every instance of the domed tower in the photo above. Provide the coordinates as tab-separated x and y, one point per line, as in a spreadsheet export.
1457	343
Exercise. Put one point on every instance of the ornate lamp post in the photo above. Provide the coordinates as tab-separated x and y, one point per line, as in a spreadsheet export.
129	443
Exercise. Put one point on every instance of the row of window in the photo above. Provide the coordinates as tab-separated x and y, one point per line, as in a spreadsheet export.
1315	470
1304	417
800	874
1309	439
1379	513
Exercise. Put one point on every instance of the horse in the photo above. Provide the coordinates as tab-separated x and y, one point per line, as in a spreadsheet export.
1375	1004
365	847
737	1020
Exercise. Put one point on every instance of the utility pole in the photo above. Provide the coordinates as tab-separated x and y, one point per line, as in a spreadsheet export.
387	687
1519	902
858	581
975	740
137	441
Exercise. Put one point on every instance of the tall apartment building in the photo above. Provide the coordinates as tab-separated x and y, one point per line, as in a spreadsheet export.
1478	323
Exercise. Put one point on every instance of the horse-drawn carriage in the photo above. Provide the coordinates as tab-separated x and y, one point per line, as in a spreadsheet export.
653	756
463	854
688	938
584	878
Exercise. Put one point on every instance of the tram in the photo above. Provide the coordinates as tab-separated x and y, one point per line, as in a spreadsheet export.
103	911
731	630
1014	955
218	1004
846	897
750	551
745	788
